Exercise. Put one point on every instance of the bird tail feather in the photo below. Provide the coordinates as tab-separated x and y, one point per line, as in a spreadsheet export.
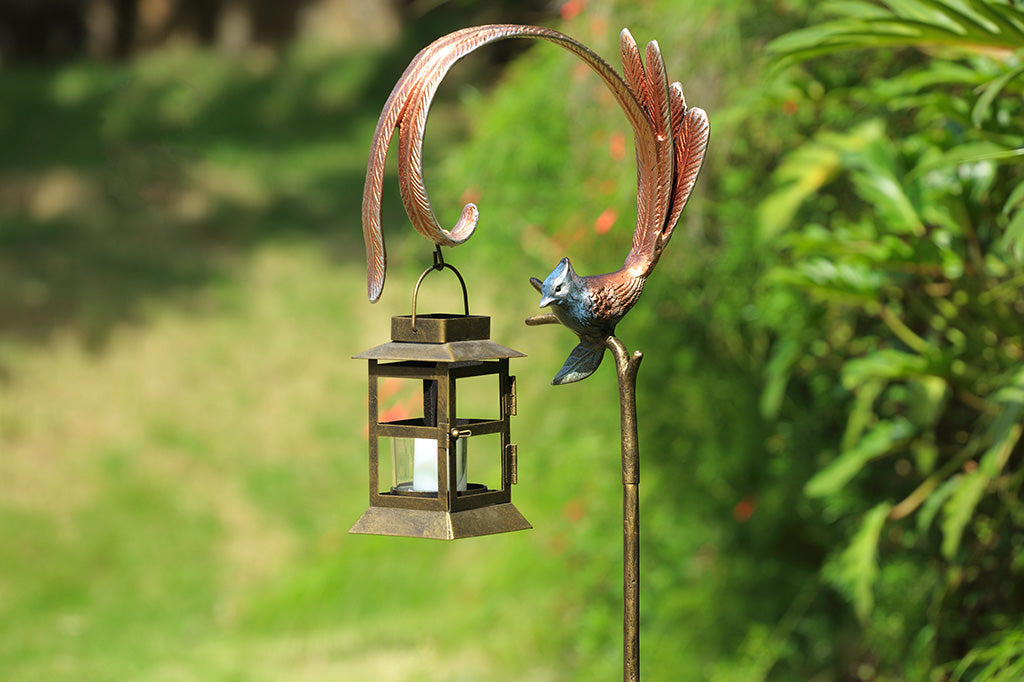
581	363
691	142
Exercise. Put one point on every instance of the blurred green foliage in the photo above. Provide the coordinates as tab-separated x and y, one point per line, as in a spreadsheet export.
830	400
913	296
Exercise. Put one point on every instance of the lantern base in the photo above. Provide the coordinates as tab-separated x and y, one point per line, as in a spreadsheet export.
440	525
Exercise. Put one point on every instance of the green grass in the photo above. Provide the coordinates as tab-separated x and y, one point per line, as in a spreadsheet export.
175	506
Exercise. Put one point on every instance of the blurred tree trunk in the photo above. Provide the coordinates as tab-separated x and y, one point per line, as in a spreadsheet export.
126	15
351	22
118	28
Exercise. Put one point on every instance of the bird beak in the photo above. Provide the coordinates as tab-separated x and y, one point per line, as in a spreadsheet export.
546	301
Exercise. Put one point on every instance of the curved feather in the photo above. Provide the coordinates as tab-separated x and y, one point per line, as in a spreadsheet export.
442	58
657	179
632	64
690	139
406	108
633	71
391	117
376	256
677	101
691	144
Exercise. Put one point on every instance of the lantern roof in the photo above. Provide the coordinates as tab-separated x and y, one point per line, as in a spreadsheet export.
456	351
440	338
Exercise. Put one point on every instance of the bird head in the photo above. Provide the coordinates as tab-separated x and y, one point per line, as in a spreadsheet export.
559	286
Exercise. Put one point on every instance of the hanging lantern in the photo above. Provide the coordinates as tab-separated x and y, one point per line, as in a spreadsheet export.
446	473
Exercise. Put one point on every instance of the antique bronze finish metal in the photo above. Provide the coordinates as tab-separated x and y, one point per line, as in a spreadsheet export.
438	350
439	265
670	140
626	367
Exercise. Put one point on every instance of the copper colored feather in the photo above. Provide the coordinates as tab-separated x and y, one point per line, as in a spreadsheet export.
670	142
406	109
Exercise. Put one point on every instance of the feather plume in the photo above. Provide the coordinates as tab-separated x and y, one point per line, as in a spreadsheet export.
669	141
406	109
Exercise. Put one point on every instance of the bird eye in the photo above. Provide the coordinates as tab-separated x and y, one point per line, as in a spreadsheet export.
559	288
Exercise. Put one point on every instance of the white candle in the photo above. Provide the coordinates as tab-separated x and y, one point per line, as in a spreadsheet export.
424	467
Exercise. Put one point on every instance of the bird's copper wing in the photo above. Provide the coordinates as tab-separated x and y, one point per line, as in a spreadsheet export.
406	108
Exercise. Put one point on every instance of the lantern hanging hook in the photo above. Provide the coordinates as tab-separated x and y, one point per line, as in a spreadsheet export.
439	265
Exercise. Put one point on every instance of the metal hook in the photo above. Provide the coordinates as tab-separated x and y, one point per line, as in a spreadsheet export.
439	265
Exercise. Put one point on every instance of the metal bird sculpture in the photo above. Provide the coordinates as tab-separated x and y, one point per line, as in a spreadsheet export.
670	141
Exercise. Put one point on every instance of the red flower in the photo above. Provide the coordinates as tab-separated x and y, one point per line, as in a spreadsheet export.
574	510
617	146
744	509
471	195
605	221
572	9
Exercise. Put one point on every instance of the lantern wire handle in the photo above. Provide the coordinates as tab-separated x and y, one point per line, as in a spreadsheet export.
439	265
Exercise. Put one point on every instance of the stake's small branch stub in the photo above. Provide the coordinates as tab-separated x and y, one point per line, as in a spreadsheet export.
538	320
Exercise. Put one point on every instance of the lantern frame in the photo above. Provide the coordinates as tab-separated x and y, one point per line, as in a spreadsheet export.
439	350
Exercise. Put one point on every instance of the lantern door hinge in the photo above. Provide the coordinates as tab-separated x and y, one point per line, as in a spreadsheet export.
513	455
513	403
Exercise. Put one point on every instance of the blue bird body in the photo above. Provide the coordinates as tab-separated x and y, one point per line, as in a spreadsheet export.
590	306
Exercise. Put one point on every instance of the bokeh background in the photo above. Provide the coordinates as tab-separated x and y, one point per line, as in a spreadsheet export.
830	403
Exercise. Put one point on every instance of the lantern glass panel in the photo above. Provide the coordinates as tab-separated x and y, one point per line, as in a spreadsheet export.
484	461
400	399
386	474
478	398
414	465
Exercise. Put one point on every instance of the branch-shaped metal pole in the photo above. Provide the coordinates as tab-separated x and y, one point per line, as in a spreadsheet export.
626	367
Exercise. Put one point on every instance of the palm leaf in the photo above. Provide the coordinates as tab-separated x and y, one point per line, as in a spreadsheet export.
855	569
1013	236
1004	432
974	152
806	169
880	440
1002	657
1007	19
974	25
990	92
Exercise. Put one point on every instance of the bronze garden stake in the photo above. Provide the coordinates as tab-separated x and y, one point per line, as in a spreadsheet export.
670	141
627	366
